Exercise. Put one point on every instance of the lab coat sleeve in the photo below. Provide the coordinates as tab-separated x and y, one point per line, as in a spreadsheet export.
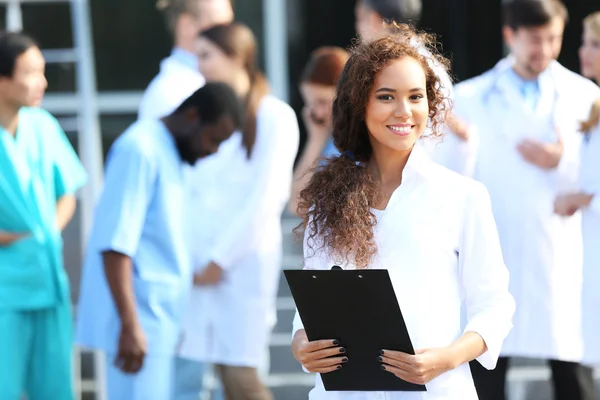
128	189
167	92
484	277
68	172
274	154
567	171
157	103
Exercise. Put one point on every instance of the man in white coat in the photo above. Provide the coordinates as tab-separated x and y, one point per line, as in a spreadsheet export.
523	117
179	76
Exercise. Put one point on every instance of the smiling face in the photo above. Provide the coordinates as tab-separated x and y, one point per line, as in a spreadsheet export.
397	110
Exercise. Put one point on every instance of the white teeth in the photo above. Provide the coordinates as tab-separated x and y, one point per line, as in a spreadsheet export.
405	129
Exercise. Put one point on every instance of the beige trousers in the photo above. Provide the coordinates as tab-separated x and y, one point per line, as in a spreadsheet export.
242	383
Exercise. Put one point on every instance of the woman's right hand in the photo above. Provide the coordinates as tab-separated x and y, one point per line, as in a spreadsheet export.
318	356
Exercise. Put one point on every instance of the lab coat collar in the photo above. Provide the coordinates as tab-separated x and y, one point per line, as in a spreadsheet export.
502	80
184	57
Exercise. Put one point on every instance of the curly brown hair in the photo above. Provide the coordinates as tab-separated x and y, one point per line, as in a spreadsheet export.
336	204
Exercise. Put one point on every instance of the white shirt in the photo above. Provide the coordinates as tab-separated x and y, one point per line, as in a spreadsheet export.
177	80
438	240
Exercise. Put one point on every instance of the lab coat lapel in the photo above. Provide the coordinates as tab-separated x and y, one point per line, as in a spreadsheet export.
546	103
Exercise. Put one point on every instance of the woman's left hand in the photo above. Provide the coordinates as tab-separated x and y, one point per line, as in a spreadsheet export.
421	368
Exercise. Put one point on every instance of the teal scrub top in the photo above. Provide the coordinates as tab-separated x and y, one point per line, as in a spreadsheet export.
37	167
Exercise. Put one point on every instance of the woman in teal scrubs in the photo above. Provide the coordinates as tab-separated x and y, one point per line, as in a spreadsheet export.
39	174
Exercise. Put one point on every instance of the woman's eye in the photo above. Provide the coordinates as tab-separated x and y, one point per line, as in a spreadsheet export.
416	97
385	97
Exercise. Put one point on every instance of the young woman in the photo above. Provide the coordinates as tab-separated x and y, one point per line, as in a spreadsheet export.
588	199
384	204
317	86
242	193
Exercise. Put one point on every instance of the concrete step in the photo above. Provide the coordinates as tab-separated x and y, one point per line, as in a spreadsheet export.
283	361
284	321
291	392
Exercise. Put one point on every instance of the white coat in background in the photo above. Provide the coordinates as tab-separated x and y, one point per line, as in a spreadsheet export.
590	183
438	240
177	80
237	223
542	250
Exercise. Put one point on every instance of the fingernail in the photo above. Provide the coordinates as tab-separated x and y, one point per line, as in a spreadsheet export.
342	350
339	367
381	352
380	359
336	342
345	359
383	367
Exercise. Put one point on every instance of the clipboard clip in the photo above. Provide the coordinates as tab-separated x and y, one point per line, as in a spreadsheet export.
336	267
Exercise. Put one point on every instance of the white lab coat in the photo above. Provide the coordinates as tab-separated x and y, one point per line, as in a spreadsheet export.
590	183
438	240
175	82
542	251
237	215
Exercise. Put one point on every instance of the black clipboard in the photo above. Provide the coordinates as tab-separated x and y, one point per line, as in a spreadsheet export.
360	309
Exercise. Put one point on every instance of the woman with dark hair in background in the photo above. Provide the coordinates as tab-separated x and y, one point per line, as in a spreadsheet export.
317	86
237	238
588	198
383	204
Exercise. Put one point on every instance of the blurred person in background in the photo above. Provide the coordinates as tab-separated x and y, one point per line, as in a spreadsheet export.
317	87
137	271
589	52
587	198
39	175
237	237
524	116
179	76
370	14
